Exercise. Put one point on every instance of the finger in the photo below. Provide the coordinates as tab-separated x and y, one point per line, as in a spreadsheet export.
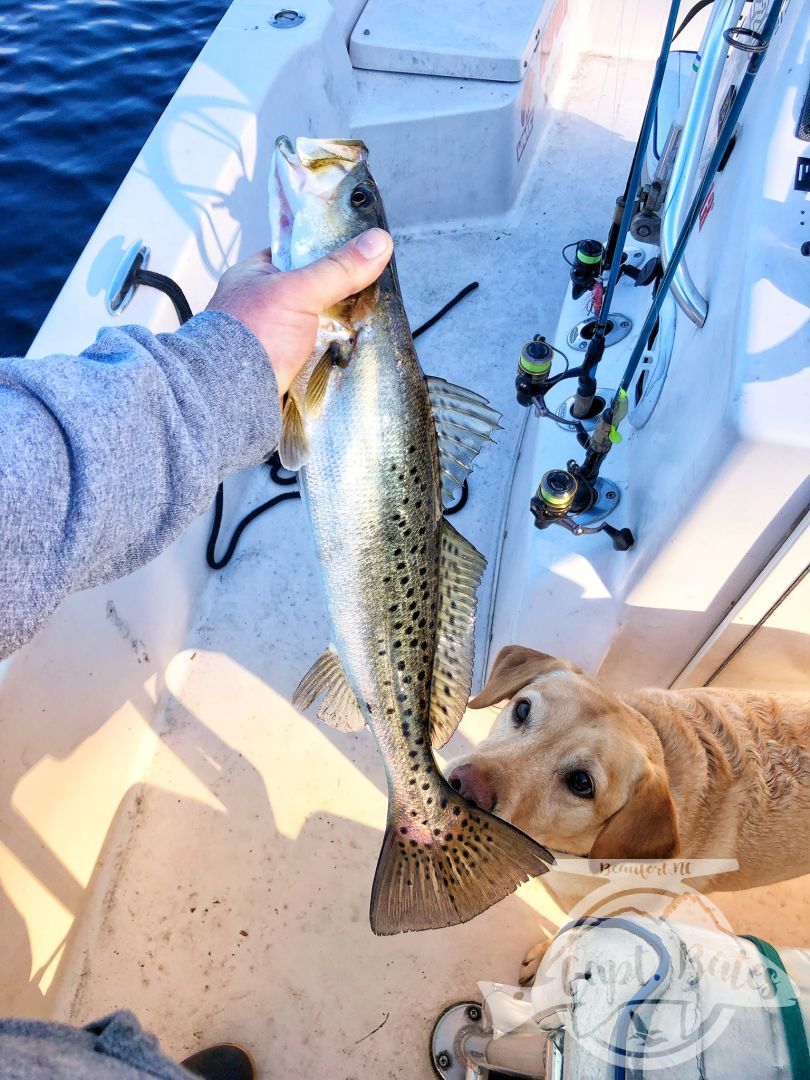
260	260
347	270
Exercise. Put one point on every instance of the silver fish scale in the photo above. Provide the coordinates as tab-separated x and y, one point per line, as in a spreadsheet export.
372	486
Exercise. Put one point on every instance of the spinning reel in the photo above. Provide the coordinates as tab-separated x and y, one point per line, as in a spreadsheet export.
575	497
561	497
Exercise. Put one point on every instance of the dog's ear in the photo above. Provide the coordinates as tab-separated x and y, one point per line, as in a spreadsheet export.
646	827
515	667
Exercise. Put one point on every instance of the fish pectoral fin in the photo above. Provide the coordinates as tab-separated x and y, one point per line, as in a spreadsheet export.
464	422
339	708
318	382
293	447
461	569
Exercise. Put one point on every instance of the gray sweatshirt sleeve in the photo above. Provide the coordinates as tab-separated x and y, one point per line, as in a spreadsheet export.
106	457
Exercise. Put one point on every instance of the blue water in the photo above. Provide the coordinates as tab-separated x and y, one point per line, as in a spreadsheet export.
82	83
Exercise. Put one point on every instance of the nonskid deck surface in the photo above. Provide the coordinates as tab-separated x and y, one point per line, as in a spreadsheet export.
236	903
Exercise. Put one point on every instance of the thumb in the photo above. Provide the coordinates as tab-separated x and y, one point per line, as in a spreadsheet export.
343	272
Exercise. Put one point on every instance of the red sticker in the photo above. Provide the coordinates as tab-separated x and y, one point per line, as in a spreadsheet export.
707	208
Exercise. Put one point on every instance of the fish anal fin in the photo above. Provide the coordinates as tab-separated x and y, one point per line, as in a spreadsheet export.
293	447
461	567
339	707
419	885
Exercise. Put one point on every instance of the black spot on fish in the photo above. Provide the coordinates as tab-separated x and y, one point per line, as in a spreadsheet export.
403	829
456	810
406	728
425	787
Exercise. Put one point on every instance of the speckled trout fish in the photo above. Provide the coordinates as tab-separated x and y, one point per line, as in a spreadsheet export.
377	444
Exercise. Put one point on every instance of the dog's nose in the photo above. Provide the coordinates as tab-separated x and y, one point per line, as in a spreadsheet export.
475	786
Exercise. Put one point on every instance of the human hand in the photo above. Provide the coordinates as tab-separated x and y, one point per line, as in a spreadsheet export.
282	309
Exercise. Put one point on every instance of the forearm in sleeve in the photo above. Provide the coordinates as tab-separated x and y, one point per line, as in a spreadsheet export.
106	457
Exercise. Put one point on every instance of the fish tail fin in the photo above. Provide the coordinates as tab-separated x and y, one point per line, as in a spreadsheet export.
447	862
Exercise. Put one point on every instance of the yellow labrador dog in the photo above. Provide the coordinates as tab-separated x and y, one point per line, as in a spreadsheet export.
648	774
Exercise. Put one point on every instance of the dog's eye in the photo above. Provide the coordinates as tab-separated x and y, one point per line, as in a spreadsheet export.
520	713
361	196
579	783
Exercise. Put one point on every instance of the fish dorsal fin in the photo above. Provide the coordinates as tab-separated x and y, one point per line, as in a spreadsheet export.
293	447
460	571
464	421
339	708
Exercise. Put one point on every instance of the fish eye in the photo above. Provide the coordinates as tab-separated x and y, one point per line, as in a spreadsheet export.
361	196
580	783
521	711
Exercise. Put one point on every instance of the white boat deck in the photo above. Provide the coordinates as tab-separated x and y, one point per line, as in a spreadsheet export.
232	896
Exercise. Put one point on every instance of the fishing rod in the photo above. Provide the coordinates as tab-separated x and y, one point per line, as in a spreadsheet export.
577	497
605	434
591	258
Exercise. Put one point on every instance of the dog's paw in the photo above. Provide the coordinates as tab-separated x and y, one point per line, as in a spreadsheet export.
531	963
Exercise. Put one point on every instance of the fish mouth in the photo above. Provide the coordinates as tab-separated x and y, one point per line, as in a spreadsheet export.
315	166
310	169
